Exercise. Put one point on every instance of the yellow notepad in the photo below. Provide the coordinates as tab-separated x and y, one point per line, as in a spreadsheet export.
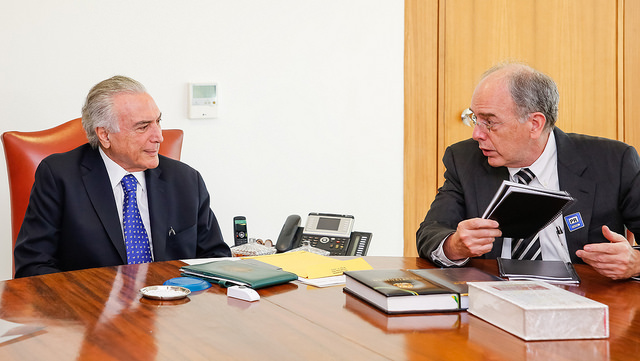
311	265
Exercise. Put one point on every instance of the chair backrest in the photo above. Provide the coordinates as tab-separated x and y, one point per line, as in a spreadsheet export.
24	150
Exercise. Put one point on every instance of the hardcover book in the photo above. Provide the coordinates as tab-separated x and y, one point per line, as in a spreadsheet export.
456	279
400	291
401	323
536	310
493	339
523	210
244	272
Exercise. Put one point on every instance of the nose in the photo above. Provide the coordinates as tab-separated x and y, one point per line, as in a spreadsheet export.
156	133
479	133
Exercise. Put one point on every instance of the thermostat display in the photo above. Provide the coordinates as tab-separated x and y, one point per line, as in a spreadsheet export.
203	100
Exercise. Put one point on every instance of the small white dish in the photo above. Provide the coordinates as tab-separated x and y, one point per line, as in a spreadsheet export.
165	292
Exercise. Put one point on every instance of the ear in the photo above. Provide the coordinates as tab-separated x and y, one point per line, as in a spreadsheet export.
538	121
103	137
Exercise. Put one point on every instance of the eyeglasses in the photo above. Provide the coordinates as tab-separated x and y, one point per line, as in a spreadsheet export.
469	119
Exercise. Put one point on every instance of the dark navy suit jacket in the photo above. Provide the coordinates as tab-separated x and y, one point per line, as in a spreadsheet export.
72	222
603	176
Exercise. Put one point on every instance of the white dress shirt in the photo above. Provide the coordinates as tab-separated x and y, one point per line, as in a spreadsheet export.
116	173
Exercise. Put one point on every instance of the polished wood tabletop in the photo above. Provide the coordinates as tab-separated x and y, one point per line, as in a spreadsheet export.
99	314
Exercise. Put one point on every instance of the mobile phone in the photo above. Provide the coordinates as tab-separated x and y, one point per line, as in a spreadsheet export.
240	230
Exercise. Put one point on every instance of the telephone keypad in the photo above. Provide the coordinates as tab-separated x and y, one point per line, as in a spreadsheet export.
335	245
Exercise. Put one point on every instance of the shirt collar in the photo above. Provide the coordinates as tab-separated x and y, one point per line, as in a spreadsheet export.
116	172
544	167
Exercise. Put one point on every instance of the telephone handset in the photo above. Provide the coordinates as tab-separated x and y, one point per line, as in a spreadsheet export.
331	232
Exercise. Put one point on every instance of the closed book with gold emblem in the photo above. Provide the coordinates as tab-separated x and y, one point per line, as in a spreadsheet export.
400	291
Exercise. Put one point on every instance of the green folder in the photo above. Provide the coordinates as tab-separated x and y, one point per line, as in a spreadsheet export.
245	272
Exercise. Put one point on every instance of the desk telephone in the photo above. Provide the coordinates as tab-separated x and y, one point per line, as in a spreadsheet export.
330	232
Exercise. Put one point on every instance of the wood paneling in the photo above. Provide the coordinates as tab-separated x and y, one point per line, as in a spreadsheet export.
574	42
421	97
631	66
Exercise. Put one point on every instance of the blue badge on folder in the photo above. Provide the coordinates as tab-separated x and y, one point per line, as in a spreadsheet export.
574	221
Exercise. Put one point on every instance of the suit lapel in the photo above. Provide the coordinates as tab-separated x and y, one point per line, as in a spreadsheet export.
158	212
571	169
96	181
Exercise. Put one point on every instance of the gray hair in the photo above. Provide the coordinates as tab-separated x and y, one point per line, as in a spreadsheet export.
98	107
531	90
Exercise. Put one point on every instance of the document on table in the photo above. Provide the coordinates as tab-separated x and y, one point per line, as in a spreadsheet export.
323	281
311	265
195	261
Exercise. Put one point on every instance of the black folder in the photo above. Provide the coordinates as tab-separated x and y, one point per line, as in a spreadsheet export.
523	210
549	271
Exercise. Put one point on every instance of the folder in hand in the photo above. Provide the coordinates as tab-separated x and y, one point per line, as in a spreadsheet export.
523	210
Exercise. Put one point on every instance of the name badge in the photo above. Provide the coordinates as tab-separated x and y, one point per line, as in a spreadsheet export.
574	221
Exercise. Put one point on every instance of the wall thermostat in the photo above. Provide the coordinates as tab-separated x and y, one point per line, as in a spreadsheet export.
203	100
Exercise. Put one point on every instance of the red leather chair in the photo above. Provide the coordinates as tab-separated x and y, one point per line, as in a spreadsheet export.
24	151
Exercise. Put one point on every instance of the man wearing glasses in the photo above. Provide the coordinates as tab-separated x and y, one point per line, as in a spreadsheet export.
513	111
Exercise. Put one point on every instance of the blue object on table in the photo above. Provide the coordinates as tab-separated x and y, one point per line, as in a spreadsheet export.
193	284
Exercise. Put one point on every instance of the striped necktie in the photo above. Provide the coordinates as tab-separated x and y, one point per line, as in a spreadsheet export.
135	236
526	248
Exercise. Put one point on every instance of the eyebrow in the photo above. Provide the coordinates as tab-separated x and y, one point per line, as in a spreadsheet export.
484	115
149	121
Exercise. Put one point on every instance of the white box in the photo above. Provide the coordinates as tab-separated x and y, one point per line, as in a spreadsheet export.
535	310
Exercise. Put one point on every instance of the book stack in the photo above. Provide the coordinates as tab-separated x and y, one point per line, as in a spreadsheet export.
411	291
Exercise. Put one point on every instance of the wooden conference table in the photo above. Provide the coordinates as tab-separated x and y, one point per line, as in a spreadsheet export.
98	314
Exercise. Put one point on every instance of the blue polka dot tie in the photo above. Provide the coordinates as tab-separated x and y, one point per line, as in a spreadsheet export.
135	236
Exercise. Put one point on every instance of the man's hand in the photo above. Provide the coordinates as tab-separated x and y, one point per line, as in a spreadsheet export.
474	237
616	260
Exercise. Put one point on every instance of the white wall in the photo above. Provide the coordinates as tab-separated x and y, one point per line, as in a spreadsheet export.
310	97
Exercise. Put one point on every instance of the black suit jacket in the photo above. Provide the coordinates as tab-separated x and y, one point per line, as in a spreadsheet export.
603	176
72	221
